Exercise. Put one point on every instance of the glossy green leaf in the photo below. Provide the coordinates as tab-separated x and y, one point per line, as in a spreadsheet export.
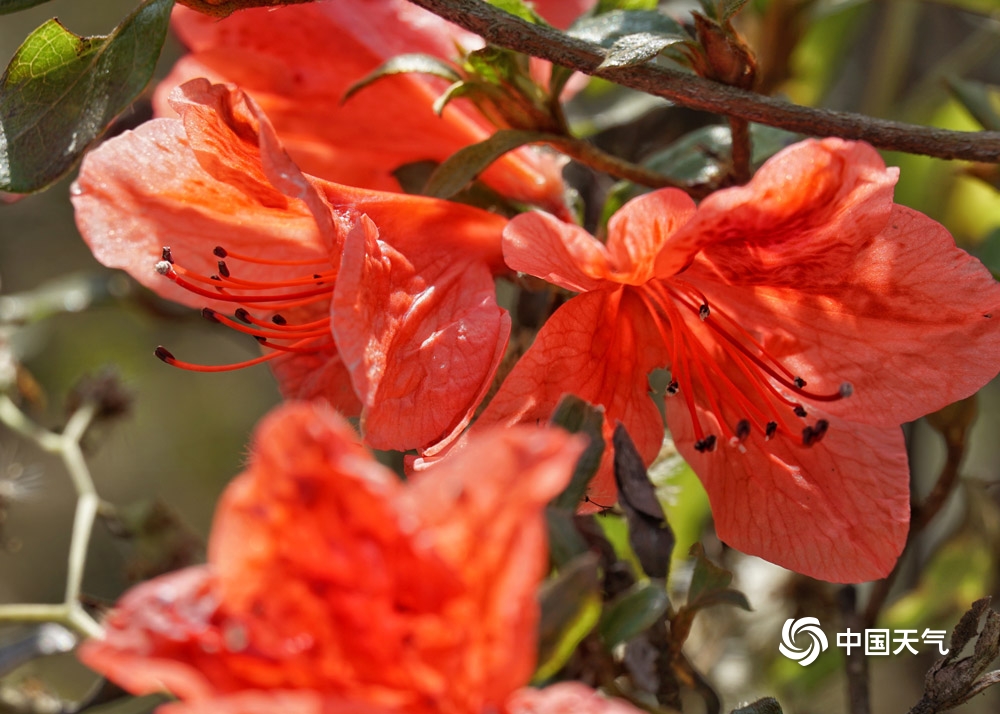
979	99
571	607
632	50
406	64
462	167
632	613
9	6
61	91
610	27
729	8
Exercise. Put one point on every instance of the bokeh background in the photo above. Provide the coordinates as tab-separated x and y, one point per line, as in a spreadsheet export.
185	436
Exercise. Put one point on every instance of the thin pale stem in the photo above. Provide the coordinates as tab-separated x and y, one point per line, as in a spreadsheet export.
67	447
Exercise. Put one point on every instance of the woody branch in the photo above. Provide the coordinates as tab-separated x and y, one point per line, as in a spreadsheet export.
508	31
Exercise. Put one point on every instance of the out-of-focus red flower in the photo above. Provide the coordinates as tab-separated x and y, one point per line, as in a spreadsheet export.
803	317
332	586
297	62
382	303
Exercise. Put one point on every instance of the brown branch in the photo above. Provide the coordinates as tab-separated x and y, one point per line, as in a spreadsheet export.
505	30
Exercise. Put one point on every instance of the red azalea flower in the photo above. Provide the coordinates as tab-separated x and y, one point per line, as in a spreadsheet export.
382	303
332	586
298	61
771	304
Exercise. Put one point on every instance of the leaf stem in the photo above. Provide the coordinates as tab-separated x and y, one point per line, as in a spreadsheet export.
505	30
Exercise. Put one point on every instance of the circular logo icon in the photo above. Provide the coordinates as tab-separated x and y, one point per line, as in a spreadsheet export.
807	627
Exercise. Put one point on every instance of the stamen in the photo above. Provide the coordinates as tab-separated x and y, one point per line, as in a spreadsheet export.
772	427
799	411
223	269
706	444
812	434
672	388
799	382
742	430
704	312
278	320
166	255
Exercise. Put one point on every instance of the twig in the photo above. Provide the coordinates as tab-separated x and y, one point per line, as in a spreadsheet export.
505	30
67	446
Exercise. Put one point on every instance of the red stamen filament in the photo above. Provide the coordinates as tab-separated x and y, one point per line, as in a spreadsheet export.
763	372
282	338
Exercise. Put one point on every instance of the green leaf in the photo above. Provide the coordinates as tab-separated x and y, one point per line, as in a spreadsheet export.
710	585
579	417
60	92
405	64
978	99
571	607
520	9
649	534
9	6
632	50
610	27
632	613
729	8
466	164
611	5
765	705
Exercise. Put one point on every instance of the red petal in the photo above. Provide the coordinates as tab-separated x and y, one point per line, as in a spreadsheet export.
146	189
911	309
562	253
566	698
640	229
600	346
807	211
285	702
421	345
837	510
483	507
284	58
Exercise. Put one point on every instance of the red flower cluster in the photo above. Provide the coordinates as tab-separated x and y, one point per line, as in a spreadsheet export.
796	314
333	587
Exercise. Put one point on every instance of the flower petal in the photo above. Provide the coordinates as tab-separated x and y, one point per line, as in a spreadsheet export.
837	510
284	58
804	214
145	190
421	345
564	254
566	698
639	230
912	309
600	346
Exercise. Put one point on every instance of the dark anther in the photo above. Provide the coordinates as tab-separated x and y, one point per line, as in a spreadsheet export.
317	276
799	382
704	312
219	252
164	354
812	434
166	255
673	388
279	320
214	277
209	314
820	428
242	314
742	429
808	436
706	444
223	269
261	339
770	429
846	389
800	411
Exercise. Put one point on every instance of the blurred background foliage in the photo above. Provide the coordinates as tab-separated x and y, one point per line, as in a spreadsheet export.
64	317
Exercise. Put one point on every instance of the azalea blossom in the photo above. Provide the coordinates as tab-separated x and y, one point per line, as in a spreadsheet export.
298	61
332	586
382	303
803	318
